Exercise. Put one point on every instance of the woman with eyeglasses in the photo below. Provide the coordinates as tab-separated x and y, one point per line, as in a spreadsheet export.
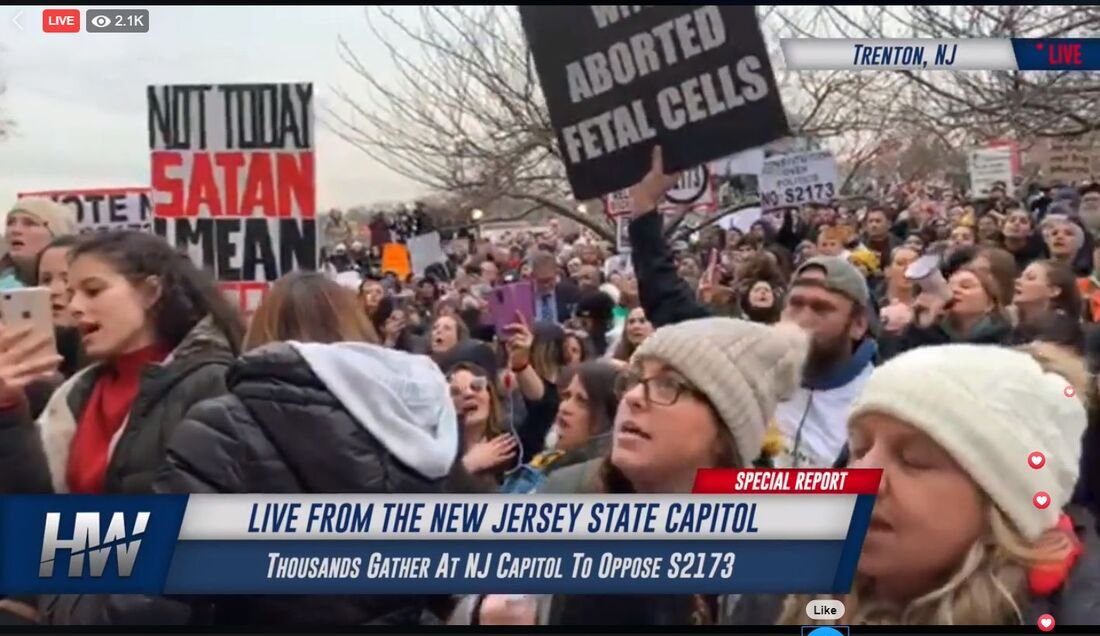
698	394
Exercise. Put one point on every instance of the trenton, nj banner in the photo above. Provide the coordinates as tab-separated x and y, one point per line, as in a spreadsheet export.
105	208
695	79
233	180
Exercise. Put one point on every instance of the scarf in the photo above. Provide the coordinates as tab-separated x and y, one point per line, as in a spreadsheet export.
104	415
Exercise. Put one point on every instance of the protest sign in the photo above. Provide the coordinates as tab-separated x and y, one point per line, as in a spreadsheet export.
104	209
622	234
233	179
695	79
987	167
1071	161
798	178
395	260
424	251
694	192
742	220
618	203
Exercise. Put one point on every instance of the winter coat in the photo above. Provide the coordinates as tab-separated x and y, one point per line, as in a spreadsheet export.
532	476
993	331
344	418
33	457
194	371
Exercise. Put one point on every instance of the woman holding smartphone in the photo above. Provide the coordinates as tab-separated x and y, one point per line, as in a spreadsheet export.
162	335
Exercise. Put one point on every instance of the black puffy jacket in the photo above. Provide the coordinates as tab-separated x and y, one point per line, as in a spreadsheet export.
280	430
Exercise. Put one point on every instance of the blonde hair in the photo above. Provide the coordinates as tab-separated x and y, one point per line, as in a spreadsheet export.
990	586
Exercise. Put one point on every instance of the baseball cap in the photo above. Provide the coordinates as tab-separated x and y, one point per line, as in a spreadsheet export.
840	276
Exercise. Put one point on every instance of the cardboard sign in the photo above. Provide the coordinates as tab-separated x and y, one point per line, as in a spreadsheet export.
104	209
794	179
695	79
424	251
395	259
987	166
1071	160
233	179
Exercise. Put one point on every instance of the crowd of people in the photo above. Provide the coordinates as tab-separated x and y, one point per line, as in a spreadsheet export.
938	338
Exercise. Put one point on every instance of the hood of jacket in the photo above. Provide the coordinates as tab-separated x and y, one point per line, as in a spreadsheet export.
402	400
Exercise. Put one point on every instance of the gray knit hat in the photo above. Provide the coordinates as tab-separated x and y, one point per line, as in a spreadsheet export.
743	368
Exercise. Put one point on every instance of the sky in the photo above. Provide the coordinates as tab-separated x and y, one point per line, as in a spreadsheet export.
78	99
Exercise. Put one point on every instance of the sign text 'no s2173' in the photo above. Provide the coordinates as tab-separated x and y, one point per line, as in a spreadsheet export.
620	79
233	178
797	178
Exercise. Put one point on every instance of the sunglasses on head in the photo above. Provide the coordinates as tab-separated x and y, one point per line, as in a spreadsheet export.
477	385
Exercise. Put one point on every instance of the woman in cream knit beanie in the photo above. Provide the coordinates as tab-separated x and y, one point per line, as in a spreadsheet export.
968	527
699	394
31	224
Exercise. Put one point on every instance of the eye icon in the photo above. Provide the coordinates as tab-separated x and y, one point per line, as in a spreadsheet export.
100	21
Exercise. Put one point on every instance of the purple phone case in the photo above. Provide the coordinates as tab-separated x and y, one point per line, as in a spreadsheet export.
505	301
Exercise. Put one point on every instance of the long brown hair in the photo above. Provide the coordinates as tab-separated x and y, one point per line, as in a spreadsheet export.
496	424
309	307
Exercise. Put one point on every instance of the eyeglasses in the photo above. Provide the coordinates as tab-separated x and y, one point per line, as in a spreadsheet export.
477	385
661	389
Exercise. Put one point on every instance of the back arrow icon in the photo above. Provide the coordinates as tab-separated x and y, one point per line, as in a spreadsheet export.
15	20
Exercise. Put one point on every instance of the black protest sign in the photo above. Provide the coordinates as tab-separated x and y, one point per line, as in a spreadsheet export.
233	178
619	79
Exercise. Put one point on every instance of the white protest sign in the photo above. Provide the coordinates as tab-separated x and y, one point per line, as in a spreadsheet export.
618	203
694	191
988	166
798	178
742	220
105	208
424	251
622	234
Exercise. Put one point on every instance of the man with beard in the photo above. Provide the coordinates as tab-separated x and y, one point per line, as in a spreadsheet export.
829	299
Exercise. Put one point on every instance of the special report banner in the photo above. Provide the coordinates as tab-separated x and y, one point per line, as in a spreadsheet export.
740	531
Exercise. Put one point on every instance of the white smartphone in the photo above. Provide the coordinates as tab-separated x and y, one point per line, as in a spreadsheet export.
30	305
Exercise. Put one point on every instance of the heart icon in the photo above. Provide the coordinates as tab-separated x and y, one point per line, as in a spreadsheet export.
1036	460
1046	622
1041	500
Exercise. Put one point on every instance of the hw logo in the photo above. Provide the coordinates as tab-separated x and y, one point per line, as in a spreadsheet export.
88	540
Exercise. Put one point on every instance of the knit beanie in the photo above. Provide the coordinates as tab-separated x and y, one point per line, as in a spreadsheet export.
989	408
743	368
58	219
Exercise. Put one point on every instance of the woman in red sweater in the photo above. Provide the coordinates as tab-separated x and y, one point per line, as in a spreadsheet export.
162	336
